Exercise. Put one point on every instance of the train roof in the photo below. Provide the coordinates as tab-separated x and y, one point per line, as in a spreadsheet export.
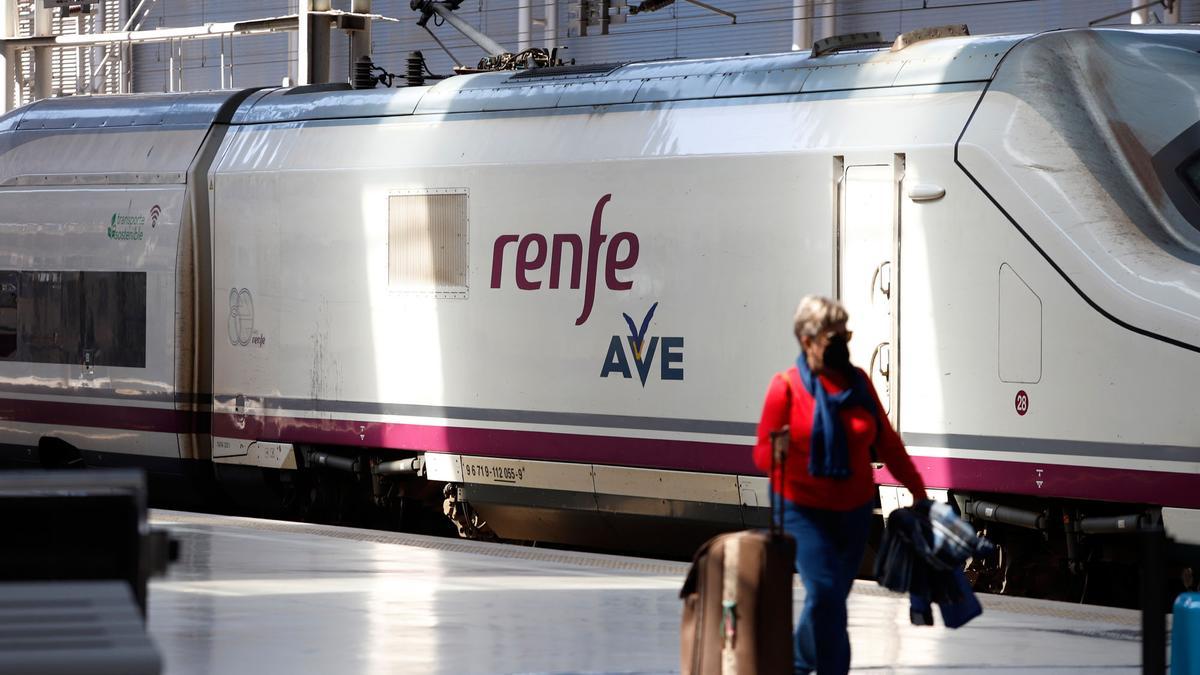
118	152
949	60
184	110
940	61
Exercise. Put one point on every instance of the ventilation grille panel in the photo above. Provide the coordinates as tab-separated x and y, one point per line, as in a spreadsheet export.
429	242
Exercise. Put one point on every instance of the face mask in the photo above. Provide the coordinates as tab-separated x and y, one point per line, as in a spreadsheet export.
837	355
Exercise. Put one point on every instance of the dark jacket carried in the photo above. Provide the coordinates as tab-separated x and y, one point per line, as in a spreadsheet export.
923	550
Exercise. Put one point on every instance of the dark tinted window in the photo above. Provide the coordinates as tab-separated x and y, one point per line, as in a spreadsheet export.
48	318
8	313
1191	174
74	318
1178	169
113	324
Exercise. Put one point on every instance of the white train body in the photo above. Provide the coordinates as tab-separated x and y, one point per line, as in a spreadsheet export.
467	271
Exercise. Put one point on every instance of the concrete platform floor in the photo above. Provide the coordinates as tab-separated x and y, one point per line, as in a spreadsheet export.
264	597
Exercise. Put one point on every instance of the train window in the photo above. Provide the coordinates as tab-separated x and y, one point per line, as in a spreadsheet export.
73	318
428	242
112	326
1178	167
8	313
48	317
1190	172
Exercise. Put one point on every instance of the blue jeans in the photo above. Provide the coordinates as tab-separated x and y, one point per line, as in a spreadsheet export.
829	549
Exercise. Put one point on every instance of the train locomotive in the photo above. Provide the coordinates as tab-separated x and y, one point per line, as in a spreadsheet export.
550	300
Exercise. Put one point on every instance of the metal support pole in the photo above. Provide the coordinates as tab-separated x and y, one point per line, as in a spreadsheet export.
42	77
1171	11
320	49
127	20
551	28
313	45
802	29
1154	607
80	67
127	69
714	9
453	58
124	52
9	58
303	38
486	43
360	40
293	67
524	24
1140	14
828	20
95	82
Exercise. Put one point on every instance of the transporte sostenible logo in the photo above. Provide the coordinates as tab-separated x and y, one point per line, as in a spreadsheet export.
128	227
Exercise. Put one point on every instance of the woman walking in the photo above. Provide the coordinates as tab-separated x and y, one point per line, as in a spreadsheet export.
835	420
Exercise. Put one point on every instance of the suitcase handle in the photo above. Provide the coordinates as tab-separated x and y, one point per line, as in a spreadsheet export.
779	451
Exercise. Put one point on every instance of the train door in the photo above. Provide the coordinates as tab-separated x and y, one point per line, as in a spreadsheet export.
868	245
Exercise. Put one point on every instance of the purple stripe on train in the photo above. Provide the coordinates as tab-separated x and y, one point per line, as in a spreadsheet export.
1075	482
538	445
102	416
1044	479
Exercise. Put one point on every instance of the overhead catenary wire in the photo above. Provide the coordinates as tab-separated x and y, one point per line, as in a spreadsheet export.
704	20
494	8
699	14
682	19
709	23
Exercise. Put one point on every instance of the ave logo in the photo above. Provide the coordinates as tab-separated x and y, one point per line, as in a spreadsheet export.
639	350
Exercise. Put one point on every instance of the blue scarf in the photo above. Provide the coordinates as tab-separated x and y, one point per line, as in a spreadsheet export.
829	456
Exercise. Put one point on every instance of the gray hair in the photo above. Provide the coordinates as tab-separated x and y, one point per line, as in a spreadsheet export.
816	314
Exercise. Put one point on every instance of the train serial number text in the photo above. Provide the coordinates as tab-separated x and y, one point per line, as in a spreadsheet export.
497	474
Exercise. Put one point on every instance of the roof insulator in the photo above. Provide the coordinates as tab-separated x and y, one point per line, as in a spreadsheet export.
929	33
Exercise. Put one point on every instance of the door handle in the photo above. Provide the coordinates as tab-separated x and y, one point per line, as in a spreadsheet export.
881	277
886	369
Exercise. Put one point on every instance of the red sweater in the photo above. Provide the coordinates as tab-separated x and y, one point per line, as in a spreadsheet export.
861	432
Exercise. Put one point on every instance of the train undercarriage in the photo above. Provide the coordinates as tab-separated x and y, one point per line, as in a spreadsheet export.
1075	551
1068	550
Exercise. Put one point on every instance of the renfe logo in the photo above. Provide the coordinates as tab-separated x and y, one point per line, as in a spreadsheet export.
532	250
643	350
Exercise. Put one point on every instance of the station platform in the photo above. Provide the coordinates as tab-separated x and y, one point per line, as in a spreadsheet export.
264	597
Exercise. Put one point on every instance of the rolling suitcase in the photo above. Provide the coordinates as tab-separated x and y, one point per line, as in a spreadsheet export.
1185	635
737	599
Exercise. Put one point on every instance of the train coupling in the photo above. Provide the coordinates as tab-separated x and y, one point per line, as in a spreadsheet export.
1126	524
329	460
999	513
410	466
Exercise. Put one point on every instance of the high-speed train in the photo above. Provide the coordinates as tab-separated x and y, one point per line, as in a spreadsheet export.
554	298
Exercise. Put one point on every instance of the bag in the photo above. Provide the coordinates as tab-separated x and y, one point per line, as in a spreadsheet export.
737	606
919	556
894	561
953	539
958	602
737	599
